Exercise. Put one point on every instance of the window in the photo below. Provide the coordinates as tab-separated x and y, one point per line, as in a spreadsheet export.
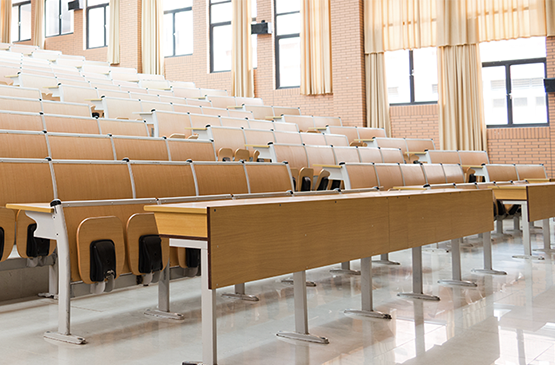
21	21
58	19
98	17
411	76
178	27
288	43
254	40
220	35
512	77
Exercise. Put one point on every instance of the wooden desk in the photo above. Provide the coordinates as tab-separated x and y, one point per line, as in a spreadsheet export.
247	240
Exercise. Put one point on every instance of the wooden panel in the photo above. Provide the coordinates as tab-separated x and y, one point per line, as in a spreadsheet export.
234	122
434	173
222	101
474	158
531	172
540	201
346	154
215	112
239	114
284	110
389	175
413	174
264	178
181	108
453	173
80	147
260	111
197	103
20	105
150	149
248	101
7	223
148	106
20	92
60	124
56	107
170	123
186	92
75	94
419	145
259	124
15	145
92	181
343	230
201	121
288	137
509	192
21	122
471	213
336	140
99	228
304	122
139	225
502	172
228	138
350	132
398	228
362	176
325	121
315	139
123	128
391	155
294	155
444	156
183	150
319	155
115	93
369	133
144	97
182	224
258	137
392	143
122	108
29	182
163	180
369	154
222	178
286	127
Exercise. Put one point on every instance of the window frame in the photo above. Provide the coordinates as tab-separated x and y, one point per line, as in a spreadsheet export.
508	90
411	86
59	21
277	38
97	6
174	12
211	31
19	5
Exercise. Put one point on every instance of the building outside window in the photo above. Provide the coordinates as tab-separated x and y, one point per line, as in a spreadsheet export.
21	21
288	43
411	76
58	19
512	77
98	21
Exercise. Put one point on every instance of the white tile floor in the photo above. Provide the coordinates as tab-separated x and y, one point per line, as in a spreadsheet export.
505	320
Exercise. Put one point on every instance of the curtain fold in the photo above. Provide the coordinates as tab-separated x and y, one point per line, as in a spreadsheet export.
5	18
242	72
377	105
113	35
315	35
461	111
37	38
151	39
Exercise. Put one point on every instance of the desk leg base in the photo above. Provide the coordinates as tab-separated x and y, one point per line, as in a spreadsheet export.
528	257
164	315
458	283
546	250
48	295
419	296
290	281
246	297
366	313
346	272
71	339
192	363
386	262
489	271
303	337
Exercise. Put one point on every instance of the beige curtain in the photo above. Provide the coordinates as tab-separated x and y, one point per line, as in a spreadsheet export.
37	37
151	39
461	110
6	16
242	72
399	24
113	36
316	47
377	105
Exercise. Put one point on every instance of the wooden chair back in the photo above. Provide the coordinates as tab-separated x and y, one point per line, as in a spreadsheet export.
288	137
123	127
392	155
268	177
220	178
346	154
453	173
286	127
313	139
77	94
80	147
295	155
413	175
239	114
369	133
234	122
137	148
70	124
73	109
188	149
361	175
319	155
350	132
119	108
389	175
170	123
285	110
336	140
20	105
201	121
498	172
189	108
260	111
532	172
441	156
20	92
399	143
434	173
21	121
163	179
473	158
369	154
22	144
260	124
225	137
419	145
258	137
305	122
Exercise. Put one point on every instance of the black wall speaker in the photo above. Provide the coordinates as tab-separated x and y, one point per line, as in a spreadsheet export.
549	85
261	28
74	5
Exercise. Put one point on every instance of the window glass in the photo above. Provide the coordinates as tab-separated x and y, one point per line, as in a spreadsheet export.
25	26
95	20
396	72
290	62
287	38
514	49
67	19
177	4
287	24
495	95
287	6
221	13
15	24
52	13
425	74
184	32
528	93
222	48
168	34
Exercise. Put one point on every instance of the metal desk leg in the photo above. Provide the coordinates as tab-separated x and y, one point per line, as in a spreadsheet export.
366	292
417	285
488	262
546	230
240	294
345	269
526	242
456	266
384	259
301	313
499	222
163	310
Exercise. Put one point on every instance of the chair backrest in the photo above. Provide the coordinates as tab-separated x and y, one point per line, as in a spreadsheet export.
441	156
20	92
286	110
20	104
239	100
531	172
186	92
326	121
413	174
21	121
189	108
220	178
138	148
80	146
260	111
473	158
295	155
239	114
190	149
399	143
258	137
143	97
346	154
222	101
163	179
319	155
392	155
498	172
370	154
453	173
213	92
70	124
25	181
434	173
419	145
77	94
73	109
123	127
119	108
170	123
234	122
225	137
336	140
350	132
201	121
112	92
92	180
313	139
361	175
147	106
305	122
389	175
369	133
23	144
215	111
268	177
288	137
